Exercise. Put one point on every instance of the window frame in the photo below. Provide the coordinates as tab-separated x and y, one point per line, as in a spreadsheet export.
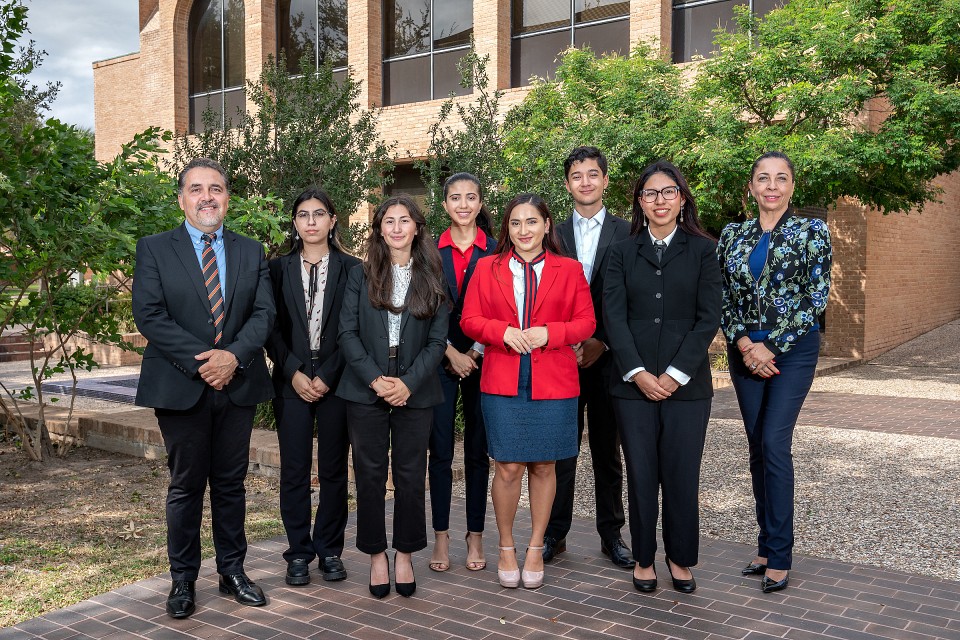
194	97
316	48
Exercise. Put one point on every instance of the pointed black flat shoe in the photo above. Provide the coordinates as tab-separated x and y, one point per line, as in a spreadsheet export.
769	586
683	586
753	569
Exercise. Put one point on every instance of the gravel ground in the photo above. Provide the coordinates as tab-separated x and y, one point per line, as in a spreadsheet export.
887	500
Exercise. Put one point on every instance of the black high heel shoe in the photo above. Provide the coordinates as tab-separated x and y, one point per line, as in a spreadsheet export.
683	586
405	589
769	586
648	585
754	569
380	590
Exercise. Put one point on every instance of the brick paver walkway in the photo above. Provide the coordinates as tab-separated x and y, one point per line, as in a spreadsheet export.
909	416
584	596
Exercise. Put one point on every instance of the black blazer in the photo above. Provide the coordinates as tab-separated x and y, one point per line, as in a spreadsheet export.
171	309
455	334
364	342
614	230
289	342
662	314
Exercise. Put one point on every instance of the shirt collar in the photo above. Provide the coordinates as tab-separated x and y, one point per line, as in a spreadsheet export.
666	240
446	240
196	233
597	219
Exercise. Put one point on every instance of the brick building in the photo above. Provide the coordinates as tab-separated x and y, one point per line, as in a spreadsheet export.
896	276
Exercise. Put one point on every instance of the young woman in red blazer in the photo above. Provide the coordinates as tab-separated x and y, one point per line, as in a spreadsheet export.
527	305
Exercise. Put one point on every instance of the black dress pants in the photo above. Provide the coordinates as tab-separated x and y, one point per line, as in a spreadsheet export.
663	446
295	424
383	435
605	454
208	443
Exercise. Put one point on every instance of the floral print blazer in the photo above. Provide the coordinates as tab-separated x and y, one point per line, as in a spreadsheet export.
792	289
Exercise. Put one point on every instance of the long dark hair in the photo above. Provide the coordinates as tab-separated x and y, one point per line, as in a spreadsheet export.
484	219
551	240
427	290
691	220
313	193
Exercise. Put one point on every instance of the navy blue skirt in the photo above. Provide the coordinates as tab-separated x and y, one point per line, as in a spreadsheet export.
520	429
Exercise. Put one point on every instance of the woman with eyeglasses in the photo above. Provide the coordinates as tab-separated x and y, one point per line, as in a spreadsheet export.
393	333
661	309
776	280
308	287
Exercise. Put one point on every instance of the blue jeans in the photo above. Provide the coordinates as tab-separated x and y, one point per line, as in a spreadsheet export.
770	408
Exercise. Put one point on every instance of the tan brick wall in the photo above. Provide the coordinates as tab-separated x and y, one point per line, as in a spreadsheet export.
914	271
118	113
846	308
650	21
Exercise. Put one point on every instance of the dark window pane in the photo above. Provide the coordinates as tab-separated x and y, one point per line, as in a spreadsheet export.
297	31
608	37
452	23
693	28
205	55
333	32
406	179
536	56
406	80
339	77
763	7
212	102
406	27
537	15
446	78
234	60
587	10
234	106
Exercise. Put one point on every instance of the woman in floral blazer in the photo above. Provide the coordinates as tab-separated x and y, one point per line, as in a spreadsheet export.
776	279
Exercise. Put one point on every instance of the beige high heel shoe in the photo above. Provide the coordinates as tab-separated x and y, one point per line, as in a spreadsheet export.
477	563
532	579
508	579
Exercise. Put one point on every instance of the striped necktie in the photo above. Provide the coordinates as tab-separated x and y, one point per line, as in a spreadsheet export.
211	278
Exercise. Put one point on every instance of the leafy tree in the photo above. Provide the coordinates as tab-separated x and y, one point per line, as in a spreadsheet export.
472	141
862	94
305	130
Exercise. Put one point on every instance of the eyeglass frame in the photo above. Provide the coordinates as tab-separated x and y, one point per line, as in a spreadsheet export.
645	193
311	216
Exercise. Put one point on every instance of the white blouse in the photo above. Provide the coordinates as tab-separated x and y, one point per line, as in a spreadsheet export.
315	306
401	282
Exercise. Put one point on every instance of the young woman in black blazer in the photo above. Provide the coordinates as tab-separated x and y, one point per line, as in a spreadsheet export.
466	240
661	311
393	332
308	285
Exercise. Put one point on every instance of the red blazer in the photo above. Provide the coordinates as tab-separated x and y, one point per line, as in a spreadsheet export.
563	305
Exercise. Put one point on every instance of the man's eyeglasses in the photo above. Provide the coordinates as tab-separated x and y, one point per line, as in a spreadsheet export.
668	193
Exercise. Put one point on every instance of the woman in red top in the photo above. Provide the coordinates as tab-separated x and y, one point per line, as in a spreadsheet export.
527	305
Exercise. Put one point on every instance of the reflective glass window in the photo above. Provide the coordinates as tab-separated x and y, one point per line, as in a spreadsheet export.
217	59
313	28
694	22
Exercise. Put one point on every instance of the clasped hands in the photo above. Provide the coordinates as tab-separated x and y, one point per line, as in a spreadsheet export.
219	368
460	364
655	388
757	357
526	340
309	390
391	389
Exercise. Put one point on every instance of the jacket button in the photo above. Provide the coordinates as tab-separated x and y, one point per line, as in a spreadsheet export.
659	295
210	321
656	321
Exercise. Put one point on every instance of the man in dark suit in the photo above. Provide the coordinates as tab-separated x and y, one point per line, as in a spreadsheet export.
587	235
202	299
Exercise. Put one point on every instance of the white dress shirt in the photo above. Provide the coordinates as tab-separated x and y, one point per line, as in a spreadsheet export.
586	235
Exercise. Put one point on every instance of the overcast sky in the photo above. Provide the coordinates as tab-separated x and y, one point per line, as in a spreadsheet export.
74	34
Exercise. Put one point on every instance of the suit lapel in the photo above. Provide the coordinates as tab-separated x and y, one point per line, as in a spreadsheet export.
232	249
293	293
183	247
551	267
677	246
449	273
606	235
334	267
566	235
645	248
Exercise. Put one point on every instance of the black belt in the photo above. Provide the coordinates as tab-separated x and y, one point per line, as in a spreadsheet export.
314	354
392	352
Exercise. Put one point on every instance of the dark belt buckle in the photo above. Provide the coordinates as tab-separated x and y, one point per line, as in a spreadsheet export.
314	354
392	352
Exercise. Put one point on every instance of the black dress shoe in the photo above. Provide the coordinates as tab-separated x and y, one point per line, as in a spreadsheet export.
553	547
379	590
769	586
683	586
754	569
298	572
333	569
244	590
645	586
406	589
617	549
181	602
